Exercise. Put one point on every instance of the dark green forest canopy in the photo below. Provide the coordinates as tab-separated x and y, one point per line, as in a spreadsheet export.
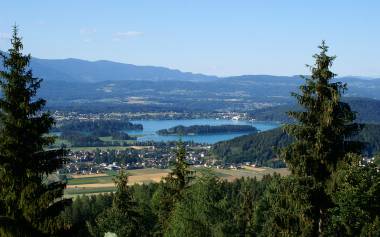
87	133
367	111
262	148
206	129
97	126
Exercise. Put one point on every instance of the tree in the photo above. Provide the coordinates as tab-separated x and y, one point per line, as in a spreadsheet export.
286	208
323	128
81	215
29	201
356	195
180	176
122	218
171	189
202	211
376	160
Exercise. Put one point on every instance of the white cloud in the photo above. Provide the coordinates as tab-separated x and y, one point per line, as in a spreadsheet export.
125	35
87	31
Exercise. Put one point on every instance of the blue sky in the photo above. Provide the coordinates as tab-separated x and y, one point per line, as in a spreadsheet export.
219	37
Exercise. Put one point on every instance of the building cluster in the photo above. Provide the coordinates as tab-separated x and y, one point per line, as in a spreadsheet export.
60	116
101	161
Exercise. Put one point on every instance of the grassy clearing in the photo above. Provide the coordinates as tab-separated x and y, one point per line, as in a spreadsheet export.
99	184
90	180
58	142
108	178
104	148
247	172
110	139
106	139
147	171
78	191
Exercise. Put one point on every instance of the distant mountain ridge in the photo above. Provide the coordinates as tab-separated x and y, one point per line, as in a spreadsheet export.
99	85
77	70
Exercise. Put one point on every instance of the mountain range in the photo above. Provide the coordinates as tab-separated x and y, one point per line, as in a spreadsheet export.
98	85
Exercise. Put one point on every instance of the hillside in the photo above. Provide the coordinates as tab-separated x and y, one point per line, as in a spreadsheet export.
368	111
261	148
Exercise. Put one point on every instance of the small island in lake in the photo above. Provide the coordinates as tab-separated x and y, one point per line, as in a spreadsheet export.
206	129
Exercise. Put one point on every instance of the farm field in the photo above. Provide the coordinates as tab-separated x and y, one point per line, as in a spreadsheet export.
98	183
104	148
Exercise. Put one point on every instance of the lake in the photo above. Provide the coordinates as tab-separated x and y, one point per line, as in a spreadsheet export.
152	126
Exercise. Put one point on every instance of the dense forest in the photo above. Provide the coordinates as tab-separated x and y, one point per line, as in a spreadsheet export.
259	148
368	111
100	128
262	148
80	139
211	206
206	129
86	133
332	190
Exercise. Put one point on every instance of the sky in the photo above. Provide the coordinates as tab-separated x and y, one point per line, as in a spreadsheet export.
216	37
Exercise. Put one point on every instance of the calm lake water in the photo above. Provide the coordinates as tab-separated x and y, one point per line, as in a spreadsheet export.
152	126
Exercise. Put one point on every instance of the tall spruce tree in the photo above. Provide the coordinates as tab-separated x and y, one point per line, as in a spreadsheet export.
29	203
181	175
171	188
322	130
122	218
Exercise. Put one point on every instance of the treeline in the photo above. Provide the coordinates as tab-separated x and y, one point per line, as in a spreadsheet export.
79	139
210	206
99	128
263	148
206	129
86	133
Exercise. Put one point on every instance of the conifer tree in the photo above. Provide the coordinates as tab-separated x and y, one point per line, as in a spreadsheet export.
29	203
323	128
171	189
180	176
122	218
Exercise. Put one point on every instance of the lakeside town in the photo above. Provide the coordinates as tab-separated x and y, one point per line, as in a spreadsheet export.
159	156
60	116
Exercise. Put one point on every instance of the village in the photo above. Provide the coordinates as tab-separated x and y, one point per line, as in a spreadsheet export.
99	161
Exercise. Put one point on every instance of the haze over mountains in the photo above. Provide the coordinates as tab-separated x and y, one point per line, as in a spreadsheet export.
77	70
78	84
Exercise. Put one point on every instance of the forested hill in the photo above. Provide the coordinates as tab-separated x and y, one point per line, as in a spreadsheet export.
368	111
99	127
206	129
261	147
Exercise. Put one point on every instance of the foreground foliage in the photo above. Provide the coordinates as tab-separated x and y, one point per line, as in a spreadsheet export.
29	202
